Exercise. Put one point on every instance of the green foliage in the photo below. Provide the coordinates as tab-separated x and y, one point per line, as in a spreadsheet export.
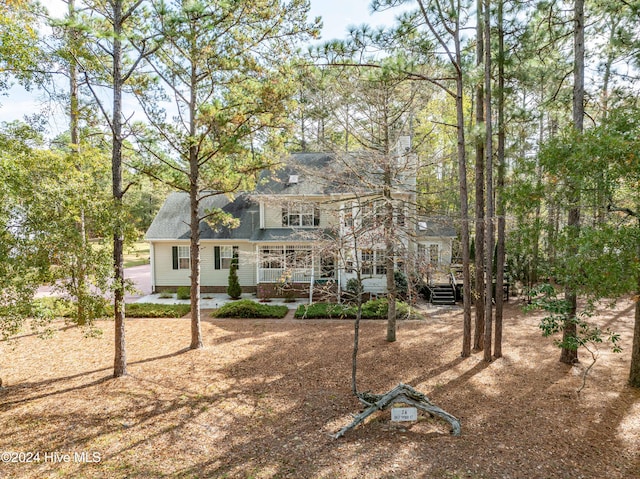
246	308
55	307
323	311
402	284
167	294
20	57
63	308
150	310
373	309
143	201
354	288
234	290
52	205
545	297
183	292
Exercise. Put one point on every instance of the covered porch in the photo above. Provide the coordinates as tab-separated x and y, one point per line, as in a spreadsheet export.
293	270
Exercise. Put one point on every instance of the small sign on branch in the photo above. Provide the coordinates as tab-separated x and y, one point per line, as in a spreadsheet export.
403	394
401	414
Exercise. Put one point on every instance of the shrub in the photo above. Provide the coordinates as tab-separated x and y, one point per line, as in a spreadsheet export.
151	310
234	290
184	292
378	309
54	307
353	288
246	308
323	311
166	294
373	309
402	285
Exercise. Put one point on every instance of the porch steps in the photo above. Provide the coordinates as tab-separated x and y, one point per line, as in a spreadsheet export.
443	294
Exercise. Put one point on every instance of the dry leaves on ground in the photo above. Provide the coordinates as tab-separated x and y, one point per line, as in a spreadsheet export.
263	398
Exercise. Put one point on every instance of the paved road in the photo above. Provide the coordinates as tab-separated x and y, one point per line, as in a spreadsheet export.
140	275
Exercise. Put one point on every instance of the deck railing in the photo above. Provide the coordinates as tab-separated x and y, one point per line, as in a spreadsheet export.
279	275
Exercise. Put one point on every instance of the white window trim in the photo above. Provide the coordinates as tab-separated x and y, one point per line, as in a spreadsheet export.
184	254
297	215
226	256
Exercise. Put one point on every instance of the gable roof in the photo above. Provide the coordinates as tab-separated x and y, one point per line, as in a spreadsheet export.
172	221
296	178
435	227
303	174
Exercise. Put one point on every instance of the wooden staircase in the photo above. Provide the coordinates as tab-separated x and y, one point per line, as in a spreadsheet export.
442	294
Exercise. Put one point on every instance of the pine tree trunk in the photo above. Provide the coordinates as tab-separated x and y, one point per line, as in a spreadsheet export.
570	355
74	121
634	373
194	201
120	360
456	62
389	238
194	253
497	346
479	293
489	241
464	201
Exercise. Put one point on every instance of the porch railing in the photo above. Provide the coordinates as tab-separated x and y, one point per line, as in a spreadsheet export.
277	275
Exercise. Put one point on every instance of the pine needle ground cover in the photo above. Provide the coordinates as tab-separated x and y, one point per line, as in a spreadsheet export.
263	398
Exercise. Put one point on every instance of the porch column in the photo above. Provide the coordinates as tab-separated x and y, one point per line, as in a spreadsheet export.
257	266
313	272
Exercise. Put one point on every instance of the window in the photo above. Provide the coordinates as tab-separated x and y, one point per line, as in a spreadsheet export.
327	267
380	262
306	216
181	257
370	214
272	257
225	256
366	256
400	216
371	262
347	210
298	257
422	253
434	254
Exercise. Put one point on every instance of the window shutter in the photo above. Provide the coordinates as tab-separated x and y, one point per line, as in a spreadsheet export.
216	252
174	252
316	217
236	256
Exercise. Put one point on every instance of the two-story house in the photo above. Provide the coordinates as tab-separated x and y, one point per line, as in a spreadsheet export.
317	221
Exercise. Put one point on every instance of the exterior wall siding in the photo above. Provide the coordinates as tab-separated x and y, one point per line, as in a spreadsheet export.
166	276
273	214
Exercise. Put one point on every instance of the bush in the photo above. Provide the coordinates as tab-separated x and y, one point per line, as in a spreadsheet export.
54	307
234	290
166	294
378	309
373	309
402	284
151	310
353	288
184	292
323	311
246	308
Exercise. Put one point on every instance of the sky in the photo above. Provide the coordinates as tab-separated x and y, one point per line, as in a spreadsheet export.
337	16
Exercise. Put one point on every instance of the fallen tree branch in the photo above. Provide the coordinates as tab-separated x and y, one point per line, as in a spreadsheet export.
402	393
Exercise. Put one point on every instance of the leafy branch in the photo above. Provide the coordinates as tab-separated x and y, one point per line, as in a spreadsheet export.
545	297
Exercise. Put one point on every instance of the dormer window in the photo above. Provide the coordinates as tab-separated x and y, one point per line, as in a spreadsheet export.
305	216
